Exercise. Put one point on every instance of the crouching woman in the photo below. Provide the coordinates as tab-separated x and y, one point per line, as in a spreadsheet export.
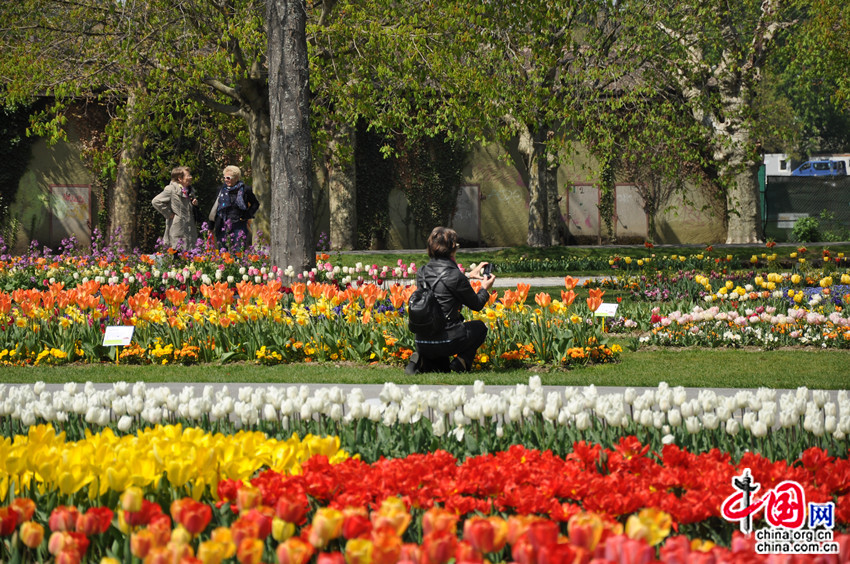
453	348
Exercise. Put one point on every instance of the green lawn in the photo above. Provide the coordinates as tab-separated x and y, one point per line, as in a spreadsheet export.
820	369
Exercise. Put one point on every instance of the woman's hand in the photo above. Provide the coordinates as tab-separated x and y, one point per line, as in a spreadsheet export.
475	273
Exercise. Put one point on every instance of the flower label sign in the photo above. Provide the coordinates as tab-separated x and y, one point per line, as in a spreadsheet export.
118	335
606	310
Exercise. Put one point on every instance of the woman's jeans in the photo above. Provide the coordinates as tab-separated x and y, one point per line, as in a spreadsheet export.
462	341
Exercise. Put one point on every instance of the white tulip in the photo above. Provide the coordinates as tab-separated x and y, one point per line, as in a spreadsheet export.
658	419
668	439
28	417
629	395
820	397
478	387
583	421
438	428
830	424
732	427
674	417
124	423
759	429
692	424
680	395
269	412
375	413
37	388
534	383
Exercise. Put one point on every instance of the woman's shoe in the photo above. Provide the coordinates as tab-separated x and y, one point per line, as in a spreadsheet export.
414	366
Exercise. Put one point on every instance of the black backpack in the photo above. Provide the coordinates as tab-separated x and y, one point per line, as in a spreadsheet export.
424	314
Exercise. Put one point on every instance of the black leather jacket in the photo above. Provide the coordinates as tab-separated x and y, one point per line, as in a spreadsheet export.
453	291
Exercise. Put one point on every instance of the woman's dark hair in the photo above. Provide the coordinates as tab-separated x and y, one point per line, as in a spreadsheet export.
442	242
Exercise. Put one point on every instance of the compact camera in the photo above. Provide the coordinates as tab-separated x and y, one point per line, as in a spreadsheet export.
488	270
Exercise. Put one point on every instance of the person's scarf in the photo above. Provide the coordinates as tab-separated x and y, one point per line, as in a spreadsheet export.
233	195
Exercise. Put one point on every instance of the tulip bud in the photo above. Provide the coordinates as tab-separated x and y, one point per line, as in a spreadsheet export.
141	543
248	497
294	551
585	530
250	551
131	499
32	534
327	525
282	530
63	519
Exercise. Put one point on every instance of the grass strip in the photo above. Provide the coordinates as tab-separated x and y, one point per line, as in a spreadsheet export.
697	368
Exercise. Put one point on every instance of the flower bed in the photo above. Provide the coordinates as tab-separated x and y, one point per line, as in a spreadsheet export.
608	504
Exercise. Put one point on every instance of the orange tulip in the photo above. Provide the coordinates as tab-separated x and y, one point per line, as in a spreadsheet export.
543	299
438	519
570	282
298	289
250	551
24	507
141	543
522	290
294	551
386	546
568	297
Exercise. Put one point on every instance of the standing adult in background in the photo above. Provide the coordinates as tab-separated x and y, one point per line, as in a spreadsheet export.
453	291
234	208
177	203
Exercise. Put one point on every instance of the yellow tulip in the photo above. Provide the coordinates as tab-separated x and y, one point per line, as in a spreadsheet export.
651	525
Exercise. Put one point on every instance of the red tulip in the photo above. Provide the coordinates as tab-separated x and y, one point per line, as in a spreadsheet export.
95	521
8	521
439	547
63	518
193	515
292	508
330	558
356	525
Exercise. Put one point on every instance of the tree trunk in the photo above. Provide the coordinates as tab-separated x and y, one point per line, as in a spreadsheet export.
555	220
534	157
292	198
743	207
123	212
342	176
258	120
